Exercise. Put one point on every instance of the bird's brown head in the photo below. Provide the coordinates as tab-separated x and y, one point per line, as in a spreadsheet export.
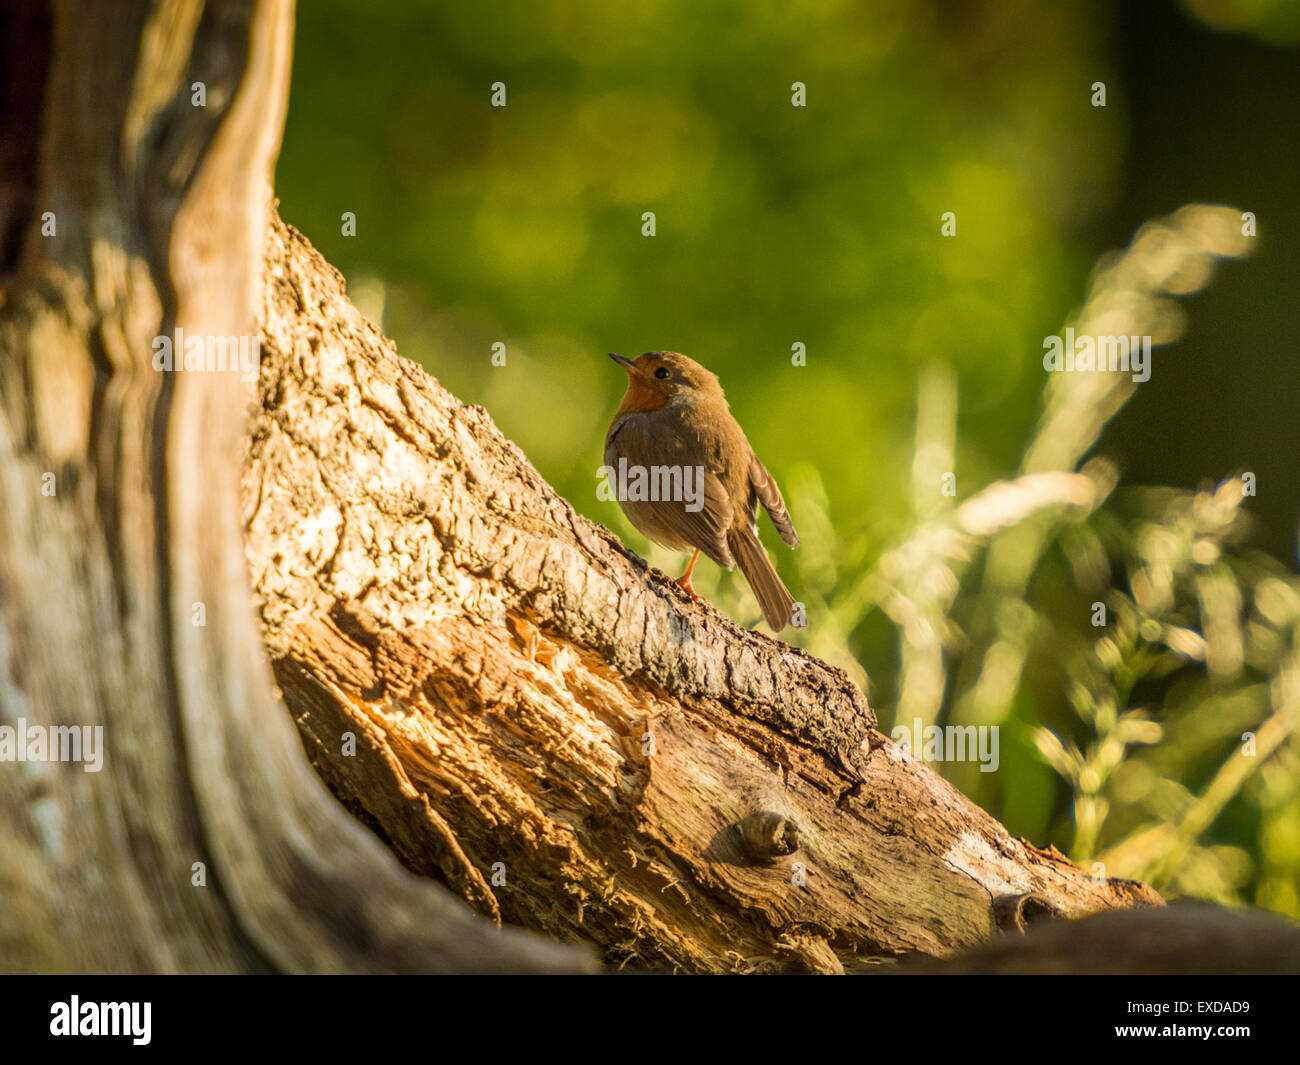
659	378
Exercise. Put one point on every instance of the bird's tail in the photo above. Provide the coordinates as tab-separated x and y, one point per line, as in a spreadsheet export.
776	601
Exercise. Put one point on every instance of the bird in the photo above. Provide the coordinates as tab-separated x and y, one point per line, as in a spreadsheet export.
674	417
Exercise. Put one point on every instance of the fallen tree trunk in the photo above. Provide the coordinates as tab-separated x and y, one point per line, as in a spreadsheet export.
525	712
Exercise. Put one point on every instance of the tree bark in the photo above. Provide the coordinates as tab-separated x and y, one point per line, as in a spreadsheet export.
496	685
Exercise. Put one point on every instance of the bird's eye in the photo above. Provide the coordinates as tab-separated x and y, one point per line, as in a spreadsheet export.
663	372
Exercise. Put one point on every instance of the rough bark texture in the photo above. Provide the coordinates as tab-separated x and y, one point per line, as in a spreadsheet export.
524	694
121	514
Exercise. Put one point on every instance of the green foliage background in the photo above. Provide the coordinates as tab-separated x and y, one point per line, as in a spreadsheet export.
821	225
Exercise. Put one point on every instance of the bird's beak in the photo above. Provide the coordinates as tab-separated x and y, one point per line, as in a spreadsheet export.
623	361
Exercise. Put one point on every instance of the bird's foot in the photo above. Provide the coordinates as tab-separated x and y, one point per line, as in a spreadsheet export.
684	581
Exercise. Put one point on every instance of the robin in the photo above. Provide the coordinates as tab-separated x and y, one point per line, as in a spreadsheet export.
674	420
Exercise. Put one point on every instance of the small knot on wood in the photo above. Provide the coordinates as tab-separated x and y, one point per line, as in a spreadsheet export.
767	836
1015	913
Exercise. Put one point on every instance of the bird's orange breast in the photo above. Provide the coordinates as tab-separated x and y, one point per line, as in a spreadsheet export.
641	397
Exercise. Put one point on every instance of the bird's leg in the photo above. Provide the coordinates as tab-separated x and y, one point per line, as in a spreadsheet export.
685	579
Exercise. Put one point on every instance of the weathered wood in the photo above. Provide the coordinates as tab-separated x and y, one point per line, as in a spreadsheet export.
162	213
503	663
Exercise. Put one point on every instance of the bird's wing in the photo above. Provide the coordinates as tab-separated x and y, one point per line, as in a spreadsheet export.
770	496
704	527
707	527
